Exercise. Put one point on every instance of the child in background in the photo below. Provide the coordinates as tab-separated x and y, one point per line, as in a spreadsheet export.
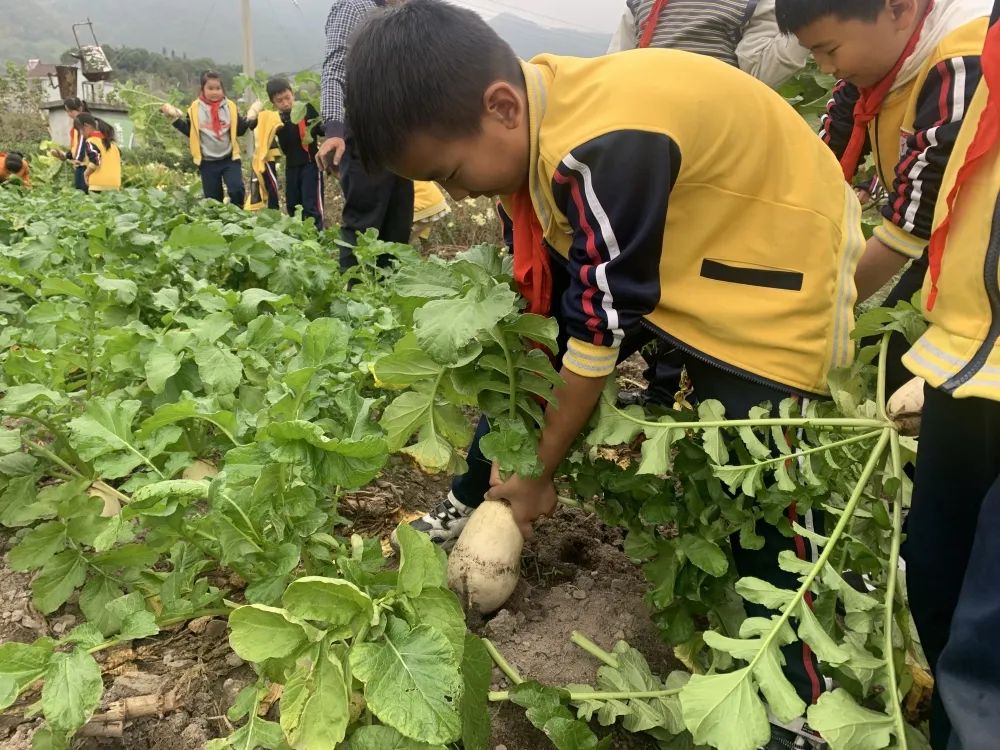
429	205
213	126
303	179
103	160
13	164
75	156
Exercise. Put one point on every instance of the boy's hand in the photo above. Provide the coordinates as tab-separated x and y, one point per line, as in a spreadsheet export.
864	197
255	109
171	111
330	153
529	500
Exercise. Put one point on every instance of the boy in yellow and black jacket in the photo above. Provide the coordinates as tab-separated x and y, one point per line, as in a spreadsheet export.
953	535
907	70
636	176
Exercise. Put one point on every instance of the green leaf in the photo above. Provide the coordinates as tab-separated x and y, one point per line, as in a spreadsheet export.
17	397
513	446
782	699
87	635
59	578
104	436
706	554
10	441
37	546
325	342
477	669
20	665
256	733
19	504
72	690
535	328
440	608
406	365
139	625
124	290
723	711
315	706
761	592
847	726
813	633
335	602
713	440
547	713
657	451
258	633
444	327
95	596
386	738
220	369
186	409
421	561
161	365
412	681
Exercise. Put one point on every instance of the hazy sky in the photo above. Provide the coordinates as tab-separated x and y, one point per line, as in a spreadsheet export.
589	15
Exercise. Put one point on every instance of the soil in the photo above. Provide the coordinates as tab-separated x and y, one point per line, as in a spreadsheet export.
574	577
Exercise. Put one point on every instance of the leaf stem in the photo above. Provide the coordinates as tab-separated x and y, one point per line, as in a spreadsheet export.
893	700
831	544
593	649
246	519
214	612
504	695
815	449
502	663
883	359
511	371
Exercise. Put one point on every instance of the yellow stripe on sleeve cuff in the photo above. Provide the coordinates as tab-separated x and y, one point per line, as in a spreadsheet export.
899	240
588	360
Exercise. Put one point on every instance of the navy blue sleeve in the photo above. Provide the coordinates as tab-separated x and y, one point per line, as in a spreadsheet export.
93	153
183	124
837	123
614	191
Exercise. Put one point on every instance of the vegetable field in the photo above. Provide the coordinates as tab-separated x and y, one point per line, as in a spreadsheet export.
208	432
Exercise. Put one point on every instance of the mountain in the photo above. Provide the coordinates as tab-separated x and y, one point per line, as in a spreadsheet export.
288	34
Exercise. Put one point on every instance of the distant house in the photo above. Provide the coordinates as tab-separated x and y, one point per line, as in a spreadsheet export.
114	114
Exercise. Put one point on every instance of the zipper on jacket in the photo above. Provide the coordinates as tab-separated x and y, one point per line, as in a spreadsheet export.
725	366
991	267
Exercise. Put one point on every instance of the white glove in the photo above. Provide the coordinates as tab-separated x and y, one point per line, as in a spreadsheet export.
255	109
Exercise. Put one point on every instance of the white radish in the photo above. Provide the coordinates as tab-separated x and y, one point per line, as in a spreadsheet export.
200	469
112	506
905	407
485	565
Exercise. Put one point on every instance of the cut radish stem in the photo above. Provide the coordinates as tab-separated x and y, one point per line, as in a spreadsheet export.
905	407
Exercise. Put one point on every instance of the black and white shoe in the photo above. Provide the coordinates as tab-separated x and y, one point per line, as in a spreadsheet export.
792	737
443	524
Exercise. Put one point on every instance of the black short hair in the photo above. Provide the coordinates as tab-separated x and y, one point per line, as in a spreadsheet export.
277	85
13	162
211	75
793	15
75	102
421	67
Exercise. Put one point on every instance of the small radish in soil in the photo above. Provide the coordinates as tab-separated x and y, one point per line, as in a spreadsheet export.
484	566
905	407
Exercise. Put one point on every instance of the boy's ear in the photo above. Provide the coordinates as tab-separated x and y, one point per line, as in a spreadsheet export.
902	12
505	103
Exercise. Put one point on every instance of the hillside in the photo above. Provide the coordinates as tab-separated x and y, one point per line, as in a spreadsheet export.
288	35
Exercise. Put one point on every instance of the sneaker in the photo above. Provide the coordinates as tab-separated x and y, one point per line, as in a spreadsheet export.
443	524
787	738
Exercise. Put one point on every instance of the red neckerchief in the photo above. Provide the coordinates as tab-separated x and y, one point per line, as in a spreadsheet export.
302	135
531	258
650	28
214	107
870	103
987	134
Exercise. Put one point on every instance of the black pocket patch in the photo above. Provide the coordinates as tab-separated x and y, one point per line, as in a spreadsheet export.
764	277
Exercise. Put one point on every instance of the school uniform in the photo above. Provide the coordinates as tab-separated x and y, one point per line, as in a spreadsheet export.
669	219
911	136
24	173
213	136
76	154
264	189
953	536
108	160
303	179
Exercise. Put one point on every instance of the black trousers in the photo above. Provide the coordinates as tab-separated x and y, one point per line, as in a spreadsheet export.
952	553
304	187
379	201
79	181
225	172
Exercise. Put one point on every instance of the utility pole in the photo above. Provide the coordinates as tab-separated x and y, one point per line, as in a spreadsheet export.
248	66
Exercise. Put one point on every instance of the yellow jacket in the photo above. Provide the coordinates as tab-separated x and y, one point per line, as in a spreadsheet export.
268	124
108	160
194	129
911	138
729	229
959	353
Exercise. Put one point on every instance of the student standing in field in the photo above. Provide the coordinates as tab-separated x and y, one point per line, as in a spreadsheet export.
953	535
102	159
75	156
213	126
743	33
907	70
380	199
635	176
303	178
